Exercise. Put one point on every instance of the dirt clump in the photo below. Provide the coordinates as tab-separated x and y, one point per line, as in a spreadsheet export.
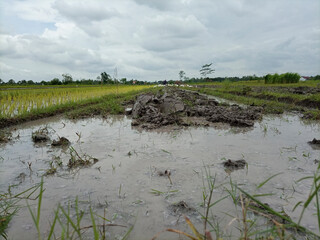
235	164
5	136
181	208
315	142
41	135
171	106
61	142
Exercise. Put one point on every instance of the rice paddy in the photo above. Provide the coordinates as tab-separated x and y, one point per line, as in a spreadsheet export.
18	102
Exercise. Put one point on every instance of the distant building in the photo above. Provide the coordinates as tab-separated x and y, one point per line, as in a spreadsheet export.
304	78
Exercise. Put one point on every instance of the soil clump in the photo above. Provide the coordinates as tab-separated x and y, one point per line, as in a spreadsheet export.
61	142
181	208
173	106
315	141
234	164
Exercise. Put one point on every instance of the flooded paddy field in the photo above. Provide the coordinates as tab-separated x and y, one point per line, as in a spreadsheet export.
150	179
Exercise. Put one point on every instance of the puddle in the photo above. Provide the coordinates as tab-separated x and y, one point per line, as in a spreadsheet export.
126	179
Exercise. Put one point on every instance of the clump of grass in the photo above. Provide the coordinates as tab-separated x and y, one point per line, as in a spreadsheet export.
80	161
70	221
10	204
52	170
41	135
279	226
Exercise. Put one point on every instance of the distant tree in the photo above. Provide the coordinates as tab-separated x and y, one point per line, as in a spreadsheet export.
182	75
11	81
22	82
206	70
123	80
66	78
106	78
43	82
30	82
317	77
55	81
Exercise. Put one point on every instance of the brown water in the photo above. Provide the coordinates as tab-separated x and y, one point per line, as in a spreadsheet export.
129	161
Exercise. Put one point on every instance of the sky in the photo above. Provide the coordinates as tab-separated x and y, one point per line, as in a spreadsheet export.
153	40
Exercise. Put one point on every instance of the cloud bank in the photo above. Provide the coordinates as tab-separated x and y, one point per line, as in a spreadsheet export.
153	40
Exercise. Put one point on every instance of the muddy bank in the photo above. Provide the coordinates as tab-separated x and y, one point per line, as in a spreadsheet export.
173	106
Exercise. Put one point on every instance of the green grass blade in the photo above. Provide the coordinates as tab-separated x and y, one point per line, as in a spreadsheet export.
53	224
69	221
125	237
219	200
270	210
39	202
94	226
267	180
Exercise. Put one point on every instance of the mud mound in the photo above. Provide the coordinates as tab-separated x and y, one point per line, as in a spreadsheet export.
234	165
315	141
62	141
172	105
181	208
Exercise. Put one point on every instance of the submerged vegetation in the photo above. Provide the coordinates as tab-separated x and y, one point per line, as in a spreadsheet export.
255	219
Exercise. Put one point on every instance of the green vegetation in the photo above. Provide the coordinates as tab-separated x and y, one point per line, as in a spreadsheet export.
23	105
278	225
302	97
282	78
72	222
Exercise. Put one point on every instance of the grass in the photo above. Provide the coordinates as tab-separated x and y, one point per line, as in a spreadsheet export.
68	222
10	205
21	101
279	226
109	103
270	99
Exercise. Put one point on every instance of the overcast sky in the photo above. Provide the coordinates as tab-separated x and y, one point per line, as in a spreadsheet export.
155	39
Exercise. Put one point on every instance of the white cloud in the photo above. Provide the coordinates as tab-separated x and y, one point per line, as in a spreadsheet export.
151	39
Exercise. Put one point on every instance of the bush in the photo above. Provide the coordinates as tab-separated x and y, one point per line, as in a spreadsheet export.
282	78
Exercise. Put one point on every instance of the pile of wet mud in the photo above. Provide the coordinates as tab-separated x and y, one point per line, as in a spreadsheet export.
173	106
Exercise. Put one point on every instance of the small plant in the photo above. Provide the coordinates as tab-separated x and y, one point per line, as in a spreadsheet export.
10	204
77	161
52	170
167	194
41	135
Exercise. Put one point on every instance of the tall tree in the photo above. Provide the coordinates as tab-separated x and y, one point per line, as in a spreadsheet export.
106	78
182	75
206	70
66	78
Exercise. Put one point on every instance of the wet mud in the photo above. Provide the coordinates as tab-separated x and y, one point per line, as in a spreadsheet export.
181	208
315	142
186	108
233	165
61	142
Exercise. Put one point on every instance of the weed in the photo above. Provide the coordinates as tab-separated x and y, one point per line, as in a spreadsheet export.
52	170
167	194
41	135
77	161
10	204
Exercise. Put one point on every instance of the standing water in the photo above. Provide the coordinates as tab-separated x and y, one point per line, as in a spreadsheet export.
128	186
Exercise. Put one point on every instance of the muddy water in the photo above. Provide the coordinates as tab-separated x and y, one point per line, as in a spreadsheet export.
129	163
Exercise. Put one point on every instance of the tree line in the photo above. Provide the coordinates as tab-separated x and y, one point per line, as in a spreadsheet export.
105	78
